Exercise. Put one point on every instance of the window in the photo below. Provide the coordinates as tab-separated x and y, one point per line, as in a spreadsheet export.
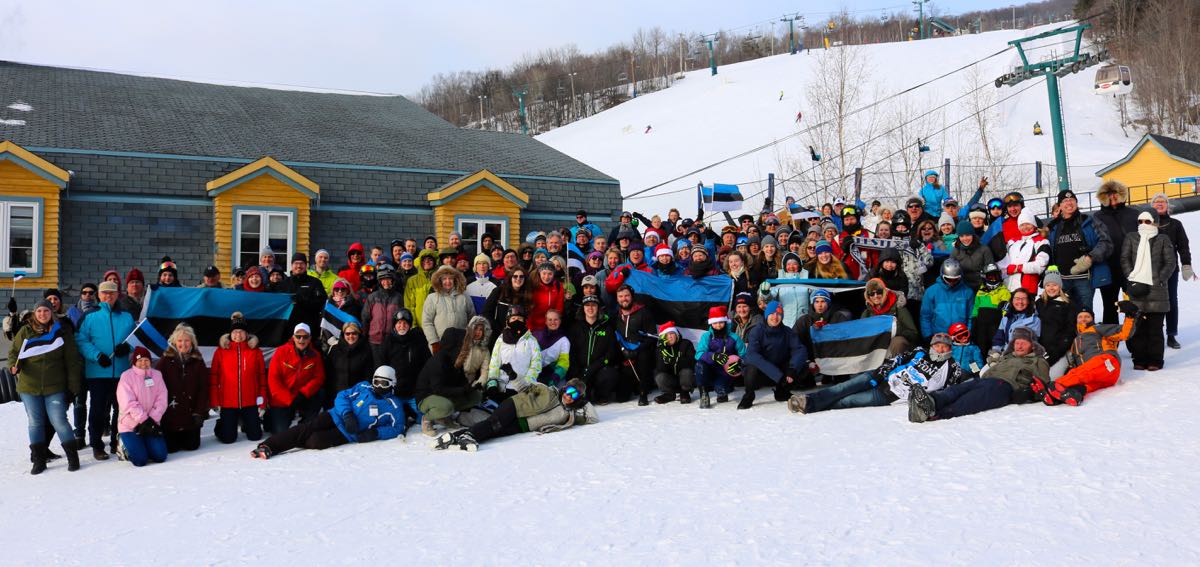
472	229
20	228
256	229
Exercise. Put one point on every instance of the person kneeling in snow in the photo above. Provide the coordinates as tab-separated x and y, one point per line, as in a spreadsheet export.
674	365
539	408
516	359
1007	381
718	357
362	413
1093	359
774	356
892	381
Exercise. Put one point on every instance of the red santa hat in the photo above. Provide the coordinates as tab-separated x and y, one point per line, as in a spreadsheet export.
663	250
668	327
718	314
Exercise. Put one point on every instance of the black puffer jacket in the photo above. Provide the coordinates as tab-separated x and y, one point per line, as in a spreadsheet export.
1058	325
407	355
439	376
347	365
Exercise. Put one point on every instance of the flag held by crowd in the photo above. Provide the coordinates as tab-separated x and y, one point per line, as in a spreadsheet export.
207	311
682	299
333	319
42	344
722	198
853	346
145	335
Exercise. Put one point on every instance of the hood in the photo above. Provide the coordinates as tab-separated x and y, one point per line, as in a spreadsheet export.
425	253
355	247
251	341
460	282
1110	187
1027	334
890	254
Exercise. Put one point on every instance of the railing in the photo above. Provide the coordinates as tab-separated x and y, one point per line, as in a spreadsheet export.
1138	195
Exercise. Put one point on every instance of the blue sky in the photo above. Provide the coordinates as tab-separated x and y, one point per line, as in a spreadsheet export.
383	46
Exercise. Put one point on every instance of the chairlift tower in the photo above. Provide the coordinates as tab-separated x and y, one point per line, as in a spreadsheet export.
520	93
791	20
712	54
1052	70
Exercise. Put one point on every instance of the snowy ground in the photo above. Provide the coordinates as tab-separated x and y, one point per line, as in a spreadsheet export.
1112	482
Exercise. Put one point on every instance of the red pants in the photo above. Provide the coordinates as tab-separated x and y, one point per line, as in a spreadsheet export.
1094	374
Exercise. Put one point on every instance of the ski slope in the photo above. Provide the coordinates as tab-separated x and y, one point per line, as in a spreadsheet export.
1112	482
703	119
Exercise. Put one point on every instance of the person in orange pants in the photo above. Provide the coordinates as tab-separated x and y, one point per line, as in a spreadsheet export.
1094	362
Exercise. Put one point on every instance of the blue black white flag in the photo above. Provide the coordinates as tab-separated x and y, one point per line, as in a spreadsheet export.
852	347
682	299
722	197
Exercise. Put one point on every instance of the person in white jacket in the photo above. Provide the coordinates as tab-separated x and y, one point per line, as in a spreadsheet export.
446	306
481	288
1028	256
516	359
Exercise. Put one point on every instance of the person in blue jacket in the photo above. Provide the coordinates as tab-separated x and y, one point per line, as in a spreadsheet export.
933	193
581	221
965	352
775	356
947	301
364	412
718	357
101	340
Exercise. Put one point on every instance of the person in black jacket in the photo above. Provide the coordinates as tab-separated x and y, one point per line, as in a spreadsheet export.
406	351
594	351
890	269
635	332
822	312
349	362
444	386
775	356
674	365
1057	314
1174	230
308	293
1120	220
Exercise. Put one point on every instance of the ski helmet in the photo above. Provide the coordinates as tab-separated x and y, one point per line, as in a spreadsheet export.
992	276
951	270
384	379
403	314
960	333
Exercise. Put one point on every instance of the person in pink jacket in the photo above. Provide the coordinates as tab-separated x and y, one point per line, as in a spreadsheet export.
142	399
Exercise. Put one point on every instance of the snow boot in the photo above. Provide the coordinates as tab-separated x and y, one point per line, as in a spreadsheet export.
921	407
705	401
664	398
781	394
262	451
1171	342
467	442
747	400
37	454
98	452
643	400
71	448
1073	395
798	403
685	397
51	455
722	397
427	426
1041	391
447	439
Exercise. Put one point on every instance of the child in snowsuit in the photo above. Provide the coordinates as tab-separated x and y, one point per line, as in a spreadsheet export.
1093	359
965	353
673	365
987	311
718	357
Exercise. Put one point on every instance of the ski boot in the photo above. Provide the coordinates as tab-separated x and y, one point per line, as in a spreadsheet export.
705	401
685	397
1070	395
722	396
467	442
747	400
450	439
664	398
1041	391
921	407
798	403
261	452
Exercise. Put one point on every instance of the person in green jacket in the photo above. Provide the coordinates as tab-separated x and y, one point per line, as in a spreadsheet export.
416	289
46	362
538	408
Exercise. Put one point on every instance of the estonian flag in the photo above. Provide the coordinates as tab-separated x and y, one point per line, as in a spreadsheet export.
852	347
575	257
207	311
37	346
722	198
333	319
682	299
145	335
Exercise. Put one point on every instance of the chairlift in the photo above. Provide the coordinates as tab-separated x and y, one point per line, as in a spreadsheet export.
622	76
1114	80
922	147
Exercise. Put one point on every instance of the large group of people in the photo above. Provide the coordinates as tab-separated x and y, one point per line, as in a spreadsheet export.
992	306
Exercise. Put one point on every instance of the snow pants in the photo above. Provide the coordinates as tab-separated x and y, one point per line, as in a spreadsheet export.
143	449
714	378
502	423
608	387
441	407
182	440
970	397
857	392
638	373
1095	374
1147	343
226	427
671	384
318	433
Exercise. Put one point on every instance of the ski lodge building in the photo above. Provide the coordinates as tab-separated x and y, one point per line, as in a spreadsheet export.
1148	168
106	171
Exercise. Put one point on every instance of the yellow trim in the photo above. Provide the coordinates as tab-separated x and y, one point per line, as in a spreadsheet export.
474	179
59	173
16	180
264	162
266	192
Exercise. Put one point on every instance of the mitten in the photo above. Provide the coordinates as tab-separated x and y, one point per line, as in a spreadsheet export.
104	361
368	435
1187	272
1129	308
121	350
1083	264
1014	269
350	421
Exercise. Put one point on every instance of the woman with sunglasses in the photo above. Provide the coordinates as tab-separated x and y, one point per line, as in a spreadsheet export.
355	260
349	362
882	301
539	408
516	289
1149	258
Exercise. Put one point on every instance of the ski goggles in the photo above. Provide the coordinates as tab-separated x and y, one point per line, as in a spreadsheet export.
383	383
961	336
573	393
995	204
850	211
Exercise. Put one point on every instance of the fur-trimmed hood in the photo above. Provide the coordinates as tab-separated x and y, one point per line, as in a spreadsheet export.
1108	188
460	281
251	340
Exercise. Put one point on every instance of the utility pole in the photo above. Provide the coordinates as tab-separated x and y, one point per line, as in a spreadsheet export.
682	42
574	111
633	74
791	21
921	16
1014	15
481	97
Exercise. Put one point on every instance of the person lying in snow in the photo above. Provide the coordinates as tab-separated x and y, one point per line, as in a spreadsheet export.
1094	362
365	412
538	407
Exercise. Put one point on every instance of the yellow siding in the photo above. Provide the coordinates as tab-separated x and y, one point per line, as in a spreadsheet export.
481	201
16	181
1150	166
262	191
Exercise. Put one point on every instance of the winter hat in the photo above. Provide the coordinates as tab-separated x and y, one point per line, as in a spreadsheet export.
406	256
773	307
651	235
754	239
828	225
253	271
931	172
341	284
589	280
542	251
300	257
591	299
701	250
820	294
211	271
237	321
515	310
266	250
770	240
668	327
135	275
949	201
581	387
940	338
167	265
108	286
791	257
1052	276
718	314
1026	217
824	246
945	218
42	303
663	250
913	201
52	291
482	258
1022	333
743	298
1066	194
874	284
965	228
683	244
140	353
977	215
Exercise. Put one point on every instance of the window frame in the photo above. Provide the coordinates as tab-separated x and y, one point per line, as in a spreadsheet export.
481	221
264	214
6	205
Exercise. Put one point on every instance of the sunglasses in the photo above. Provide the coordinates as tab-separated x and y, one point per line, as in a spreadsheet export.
874	293
518	276
301	337
572	393
87	293
810	247
351	333
1145	222
914	206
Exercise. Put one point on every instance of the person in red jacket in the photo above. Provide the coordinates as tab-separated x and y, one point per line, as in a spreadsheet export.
296	375
637	261
548	293
355	261
238	388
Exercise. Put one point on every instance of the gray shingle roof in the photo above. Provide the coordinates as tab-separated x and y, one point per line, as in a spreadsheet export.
94	110
1179	148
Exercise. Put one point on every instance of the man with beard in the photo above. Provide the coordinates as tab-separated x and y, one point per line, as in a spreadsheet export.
635	333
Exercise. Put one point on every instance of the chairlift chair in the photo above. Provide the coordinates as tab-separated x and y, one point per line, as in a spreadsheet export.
1114	80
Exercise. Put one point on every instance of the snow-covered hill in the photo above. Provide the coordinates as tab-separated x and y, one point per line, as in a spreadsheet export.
703	119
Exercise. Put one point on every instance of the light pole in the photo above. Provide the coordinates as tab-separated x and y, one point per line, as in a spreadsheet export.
481	97
791	21
1014	15
574	112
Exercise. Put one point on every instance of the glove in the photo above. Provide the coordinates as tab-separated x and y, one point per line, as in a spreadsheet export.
121	350
721	358
350	421
624	271
733	367
368	435
1082	265
1129	308
491	386
507	369
299	401
198	420
765	288
1014	269
633	223
1188	274
104	361
993	357
12	305
818	324
814	368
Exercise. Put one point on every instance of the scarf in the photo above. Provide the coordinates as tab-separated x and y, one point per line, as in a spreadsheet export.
1143	271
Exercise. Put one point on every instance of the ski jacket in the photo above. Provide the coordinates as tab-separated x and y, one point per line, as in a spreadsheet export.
620	274
377	313
793	297
99	333
1099	339
293	372
1163	262
593	346
1175	231
803	326
916	260
1058	325
933	197
239	375
1013	319
944	306
141	395
442	375
1096	243
915	367
539	408
635	329
556	352
671	359
973	259
384	414
187	381
725	343
416	287
445	309
525	357
1030	254
775	351
349	272
545	298
1018	371
52	371
406	354
968	358
479	291
347	365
